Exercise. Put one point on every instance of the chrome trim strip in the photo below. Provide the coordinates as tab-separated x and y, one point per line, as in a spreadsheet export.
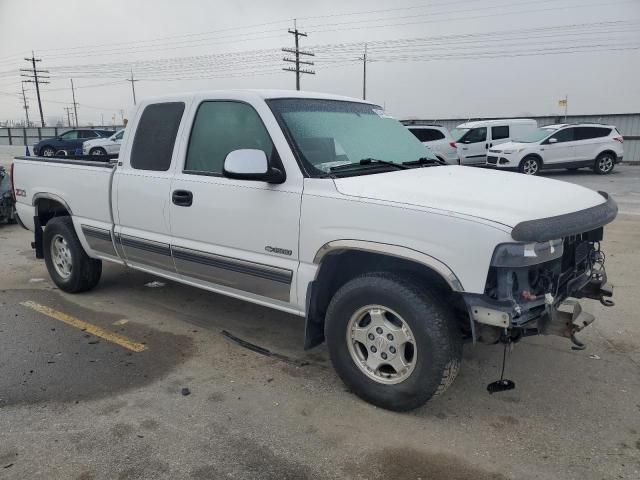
147	252
394	250
251	277
99	239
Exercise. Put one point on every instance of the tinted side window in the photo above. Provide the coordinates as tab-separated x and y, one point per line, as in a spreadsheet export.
585	133
87	134
565	135
475	135
500	132
155	136
70	135
436	134
221	127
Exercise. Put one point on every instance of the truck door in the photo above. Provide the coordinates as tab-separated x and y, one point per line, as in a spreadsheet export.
142	189
236	236
474	146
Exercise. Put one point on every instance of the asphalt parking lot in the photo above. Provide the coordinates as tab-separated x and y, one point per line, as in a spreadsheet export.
92	386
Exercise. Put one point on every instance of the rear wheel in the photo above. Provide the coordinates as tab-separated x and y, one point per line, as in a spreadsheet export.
48	151
69	266
530	166
391	341
97	151
604	163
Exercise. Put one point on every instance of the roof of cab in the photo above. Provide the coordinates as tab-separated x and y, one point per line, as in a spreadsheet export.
263	94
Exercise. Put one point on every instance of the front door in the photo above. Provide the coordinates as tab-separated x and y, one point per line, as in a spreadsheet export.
236	236
473	146
560	151
141	190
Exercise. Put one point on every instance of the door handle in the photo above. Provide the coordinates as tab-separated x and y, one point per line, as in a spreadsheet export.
182	198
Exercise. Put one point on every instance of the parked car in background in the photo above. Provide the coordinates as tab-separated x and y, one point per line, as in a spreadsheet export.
474	139
104	146
439	141
68	142
569	146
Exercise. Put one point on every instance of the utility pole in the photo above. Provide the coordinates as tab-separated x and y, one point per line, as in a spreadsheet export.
26	105
68	110
102	117
75	104
297	52
364	72
34	78
133	88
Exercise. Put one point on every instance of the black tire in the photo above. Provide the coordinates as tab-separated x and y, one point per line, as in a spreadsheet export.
47	151
527	165
85	271
97	151
604	164
438	342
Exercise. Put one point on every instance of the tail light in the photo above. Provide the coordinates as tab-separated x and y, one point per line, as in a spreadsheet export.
13	186
453	144
619	139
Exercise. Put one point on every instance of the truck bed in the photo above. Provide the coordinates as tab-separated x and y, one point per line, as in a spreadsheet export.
81	185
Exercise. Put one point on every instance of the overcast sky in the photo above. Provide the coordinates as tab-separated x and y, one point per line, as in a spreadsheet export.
472	62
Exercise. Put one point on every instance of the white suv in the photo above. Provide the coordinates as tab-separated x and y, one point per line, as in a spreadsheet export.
570	146
438	140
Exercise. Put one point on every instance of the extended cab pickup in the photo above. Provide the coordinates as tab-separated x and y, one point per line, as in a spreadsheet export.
325	207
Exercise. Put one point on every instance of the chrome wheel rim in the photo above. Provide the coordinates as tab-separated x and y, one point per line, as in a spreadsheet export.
97	151
605	164
530	167
61	256
381	344
48	152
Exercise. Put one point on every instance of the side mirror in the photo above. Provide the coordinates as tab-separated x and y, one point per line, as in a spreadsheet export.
553	140
250	164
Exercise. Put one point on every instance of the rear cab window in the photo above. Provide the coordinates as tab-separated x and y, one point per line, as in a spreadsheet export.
155	136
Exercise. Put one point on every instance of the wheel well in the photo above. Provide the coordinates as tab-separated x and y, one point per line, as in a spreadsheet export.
533	155
337	268
48	208
610	152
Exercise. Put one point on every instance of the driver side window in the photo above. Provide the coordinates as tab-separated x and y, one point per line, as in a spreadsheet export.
475	135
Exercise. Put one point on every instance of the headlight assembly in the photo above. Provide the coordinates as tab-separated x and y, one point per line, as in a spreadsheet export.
525	254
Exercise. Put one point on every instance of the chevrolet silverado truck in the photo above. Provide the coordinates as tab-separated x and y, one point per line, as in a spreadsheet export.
325	207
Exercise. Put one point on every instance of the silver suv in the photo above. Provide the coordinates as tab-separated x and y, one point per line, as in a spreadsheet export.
439	141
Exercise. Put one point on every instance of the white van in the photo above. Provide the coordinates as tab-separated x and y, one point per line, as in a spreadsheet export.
474	139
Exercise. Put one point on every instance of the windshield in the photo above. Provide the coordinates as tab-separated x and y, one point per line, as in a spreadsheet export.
458	133
536	135
326	134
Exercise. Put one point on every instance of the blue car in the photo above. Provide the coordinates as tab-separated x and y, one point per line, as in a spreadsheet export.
69	142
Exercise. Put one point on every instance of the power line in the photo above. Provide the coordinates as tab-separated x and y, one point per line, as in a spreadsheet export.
33	78
297	52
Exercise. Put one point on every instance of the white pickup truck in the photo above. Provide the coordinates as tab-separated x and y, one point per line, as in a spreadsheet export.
327	208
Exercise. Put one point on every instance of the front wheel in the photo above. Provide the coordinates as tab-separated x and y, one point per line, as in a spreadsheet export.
391	341
604	164
48	151
530	166
97	151
69	266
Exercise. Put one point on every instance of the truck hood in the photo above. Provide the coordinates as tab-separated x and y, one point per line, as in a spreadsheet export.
502	197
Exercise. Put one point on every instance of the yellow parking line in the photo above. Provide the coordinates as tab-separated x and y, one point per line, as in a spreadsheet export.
87	327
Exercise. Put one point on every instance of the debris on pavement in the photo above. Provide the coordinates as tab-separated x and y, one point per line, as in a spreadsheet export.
155	284
185	391
594	356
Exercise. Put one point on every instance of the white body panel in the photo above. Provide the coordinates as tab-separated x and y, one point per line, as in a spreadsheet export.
497	132
260	241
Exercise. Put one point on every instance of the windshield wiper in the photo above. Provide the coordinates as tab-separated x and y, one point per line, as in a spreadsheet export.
424	161
368	161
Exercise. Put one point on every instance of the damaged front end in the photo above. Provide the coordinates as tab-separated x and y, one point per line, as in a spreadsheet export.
530	283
